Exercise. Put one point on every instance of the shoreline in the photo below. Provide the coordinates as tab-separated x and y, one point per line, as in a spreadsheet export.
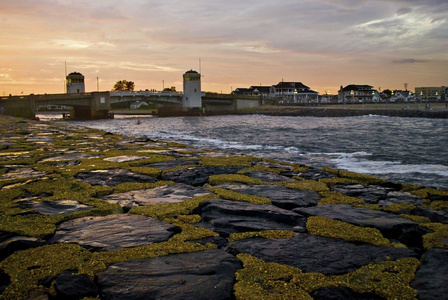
165	216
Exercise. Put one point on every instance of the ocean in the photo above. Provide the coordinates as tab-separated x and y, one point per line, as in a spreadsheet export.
410	150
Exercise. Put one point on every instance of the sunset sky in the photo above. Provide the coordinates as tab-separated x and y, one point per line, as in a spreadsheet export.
322	43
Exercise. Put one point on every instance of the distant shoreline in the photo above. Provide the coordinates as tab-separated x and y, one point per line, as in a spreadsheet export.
340	112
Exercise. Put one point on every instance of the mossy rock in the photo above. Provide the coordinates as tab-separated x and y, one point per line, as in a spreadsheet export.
171	210
353	177
326	227
235	196
338	198
438	238
245	161
303	184
230	178
261	280
266	234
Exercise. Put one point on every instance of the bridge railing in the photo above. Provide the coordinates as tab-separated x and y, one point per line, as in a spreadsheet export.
145	93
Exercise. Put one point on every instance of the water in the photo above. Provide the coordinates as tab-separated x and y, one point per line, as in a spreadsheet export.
412	150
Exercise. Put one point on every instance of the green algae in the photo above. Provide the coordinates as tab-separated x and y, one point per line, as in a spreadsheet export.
428	192
399	207
266	234
326	227
235	196
438	238
260	168
261	280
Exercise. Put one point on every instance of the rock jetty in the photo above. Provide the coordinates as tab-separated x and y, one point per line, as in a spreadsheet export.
90	214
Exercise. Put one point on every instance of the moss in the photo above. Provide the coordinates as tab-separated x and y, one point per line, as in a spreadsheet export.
438	238
229	178
261	280
338	198
232	195
260	168
267	234
326	227
171	210
306	185
245	161
399	207
353	177
438	204
427	192
418	219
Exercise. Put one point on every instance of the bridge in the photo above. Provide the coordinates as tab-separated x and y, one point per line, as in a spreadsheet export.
98	105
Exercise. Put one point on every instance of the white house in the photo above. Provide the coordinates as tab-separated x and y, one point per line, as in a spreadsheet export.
293	92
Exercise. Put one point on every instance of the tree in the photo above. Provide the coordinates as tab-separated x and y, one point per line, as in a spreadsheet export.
387	92
123	85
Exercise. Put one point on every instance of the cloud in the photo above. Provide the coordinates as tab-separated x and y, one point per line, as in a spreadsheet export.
409	61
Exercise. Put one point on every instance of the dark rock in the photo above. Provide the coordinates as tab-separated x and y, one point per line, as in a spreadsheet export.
197	176
390	225
267	176
439	216
4	281
199	275
310	173
339	293
394	197
21	172
317	254
272	165
56	207
69	286
10	243
113	232
370	194
280	196
158	195
431	278
165	165
226	217
113	177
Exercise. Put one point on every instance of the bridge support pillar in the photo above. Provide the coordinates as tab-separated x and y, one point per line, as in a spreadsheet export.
22	107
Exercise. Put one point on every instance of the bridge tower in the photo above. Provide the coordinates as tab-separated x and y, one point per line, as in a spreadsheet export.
192	90
75	83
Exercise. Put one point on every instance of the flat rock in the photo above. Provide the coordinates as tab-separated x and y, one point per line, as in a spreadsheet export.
165	165
21	172
70	286
204	275
431	278
72	157
267	176
317	254
280	196
113	232
226	217
310	173
113	177
9	243
125	158
56	207
439	216
158	195
370	194
197	176
390	225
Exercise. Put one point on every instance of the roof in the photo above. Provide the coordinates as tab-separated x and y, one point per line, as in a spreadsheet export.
357	87
285	85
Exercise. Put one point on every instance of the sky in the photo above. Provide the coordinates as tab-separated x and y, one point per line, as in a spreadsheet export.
324	44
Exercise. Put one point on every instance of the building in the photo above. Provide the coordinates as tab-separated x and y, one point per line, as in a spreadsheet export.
192	97
431	93
358	93
75	83
293	92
